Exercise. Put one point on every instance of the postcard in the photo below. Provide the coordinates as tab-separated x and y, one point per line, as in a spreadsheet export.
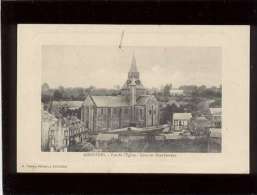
133	99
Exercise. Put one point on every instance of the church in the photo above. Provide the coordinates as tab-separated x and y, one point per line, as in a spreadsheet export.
132	108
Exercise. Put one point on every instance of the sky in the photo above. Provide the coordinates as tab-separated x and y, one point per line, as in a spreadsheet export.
108	66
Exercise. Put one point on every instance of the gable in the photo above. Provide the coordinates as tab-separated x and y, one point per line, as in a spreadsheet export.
146	99
88	101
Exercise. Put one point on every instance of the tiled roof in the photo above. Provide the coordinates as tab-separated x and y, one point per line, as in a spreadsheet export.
110	101
182	116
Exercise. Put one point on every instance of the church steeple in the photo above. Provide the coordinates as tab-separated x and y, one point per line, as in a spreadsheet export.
133	72
133	86
133	67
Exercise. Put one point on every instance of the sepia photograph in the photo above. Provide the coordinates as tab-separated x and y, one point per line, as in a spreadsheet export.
131	99
158	96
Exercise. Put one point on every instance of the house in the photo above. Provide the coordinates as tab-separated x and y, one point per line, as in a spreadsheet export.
48	123
181	121
215	133
58	137
215	136
200	125
132	108
177	92
64	132
215	115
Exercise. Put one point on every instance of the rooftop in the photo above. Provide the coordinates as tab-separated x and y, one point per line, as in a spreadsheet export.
110	101
182	116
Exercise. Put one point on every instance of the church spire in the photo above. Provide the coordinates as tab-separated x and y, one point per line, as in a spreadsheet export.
133	67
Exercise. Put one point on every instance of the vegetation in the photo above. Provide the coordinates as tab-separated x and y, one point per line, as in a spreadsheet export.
74	94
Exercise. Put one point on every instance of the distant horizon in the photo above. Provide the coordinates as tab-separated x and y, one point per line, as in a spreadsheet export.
217	86
106	67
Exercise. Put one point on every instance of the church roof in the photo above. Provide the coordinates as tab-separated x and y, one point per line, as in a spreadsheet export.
110	101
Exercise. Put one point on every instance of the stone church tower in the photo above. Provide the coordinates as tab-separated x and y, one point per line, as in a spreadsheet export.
133	80
132	108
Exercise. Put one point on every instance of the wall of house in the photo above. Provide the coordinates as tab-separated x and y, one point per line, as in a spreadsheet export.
48	122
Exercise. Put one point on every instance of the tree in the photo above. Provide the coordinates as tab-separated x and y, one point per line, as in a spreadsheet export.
58	95
166	90
45	93
45	87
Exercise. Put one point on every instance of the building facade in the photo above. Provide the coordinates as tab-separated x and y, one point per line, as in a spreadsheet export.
177	92
215	115
48	123
132	108
59	134
181	121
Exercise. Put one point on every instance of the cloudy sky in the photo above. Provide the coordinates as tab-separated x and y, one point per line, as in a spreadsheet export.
105	67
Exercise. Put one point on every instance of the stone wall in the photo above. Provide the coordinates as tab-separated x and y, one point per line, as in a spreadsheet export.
112	118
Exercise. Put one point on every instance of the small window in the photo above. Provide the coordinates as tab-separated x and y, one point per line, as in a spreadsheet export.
66	133
150	112
102	111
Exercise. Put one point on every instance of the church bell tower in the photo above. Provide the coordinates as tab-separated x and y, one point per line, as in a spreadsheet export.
133	80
